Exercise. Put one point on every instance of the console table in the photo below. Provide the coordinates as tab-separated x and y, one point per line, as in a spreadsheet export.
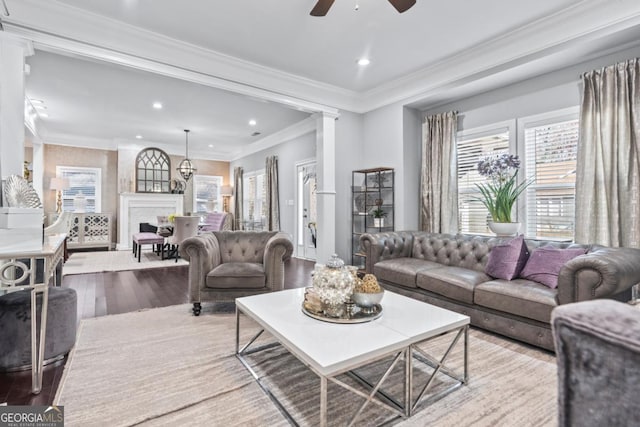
84	230
34	270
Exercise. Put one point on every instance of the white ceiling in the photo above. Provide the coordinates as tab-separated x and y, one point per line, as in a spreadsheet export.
105	102
274	50
281	34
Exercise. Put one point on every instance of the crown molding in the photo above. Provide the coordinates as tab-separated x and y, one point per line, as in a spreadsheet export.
79	141
60	27
581	23
116	144
63	28
296	130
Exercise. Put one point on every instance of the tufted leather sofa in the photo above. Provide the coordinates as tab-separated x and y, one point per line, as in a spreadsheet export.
224	265
448	271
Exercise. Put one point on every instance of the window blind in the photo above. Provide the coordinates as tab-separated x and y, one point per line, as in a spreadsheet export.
254	195
472	215
550	158
206	188
81	180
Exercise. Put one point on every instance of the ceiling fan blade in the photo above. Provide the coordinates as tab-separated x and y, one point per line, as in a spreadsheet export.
402	5
321	8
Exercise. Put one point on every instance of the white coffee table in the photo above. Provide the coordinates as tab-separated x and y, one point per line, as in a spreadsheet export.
330	349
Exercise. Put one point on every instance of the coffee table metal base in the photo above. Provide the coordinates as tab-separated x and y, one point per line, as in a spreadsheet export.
375	396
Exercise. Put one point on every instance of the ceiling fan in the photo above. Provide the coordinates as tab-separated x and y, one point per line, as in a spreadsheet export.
322	6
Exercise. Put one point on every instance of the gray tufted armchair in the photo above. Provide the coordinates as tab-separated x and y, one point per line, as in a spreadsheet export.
224	265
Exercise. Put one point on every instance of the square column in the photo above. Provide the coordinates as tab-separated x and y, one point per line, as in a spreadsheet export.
12	53
326	194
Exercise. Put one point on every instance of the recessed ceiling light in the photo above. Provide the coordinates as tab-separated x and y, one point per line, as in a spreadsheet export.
210	145
43	115
252	122
138	136
364	61
157	105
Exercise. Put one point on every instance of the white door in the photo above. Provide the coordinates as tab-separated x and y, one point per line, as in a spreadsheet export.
306	210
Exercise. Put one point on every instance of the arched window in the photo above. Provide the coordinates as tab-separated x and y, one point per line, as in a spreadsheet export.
153	171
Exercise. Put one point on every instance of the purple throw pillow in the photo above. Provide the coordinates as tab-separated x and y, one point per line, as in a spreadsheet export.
545	263
507	260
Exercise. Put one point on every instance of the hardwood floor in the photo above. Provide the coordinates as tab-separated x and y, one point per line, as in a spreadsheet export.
100	294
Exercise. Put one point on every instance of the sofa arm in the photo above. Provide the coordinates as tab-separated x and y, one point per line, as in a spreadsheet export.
599	274
277	250
203	254
380	246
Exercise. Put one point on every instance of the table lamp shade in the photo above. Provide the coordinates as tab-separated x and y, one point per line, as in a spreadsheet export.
226	190
59	184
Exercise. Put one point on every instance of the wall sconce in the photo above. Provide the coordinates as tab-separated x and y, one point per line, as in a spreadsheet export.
59	184
226	191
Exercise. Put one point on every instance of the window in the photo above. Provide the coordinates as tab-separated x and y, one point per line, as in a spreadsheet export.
547	145
206	193
85	181
472	146
550	147
153	168
254	196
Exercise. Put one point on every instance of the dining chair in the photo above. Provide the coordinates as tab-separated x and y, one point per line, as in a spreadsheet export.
163	231
217	221
184	227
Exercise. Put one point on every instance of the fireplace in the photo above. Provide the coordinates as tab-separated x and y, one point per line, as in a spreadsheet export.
144	207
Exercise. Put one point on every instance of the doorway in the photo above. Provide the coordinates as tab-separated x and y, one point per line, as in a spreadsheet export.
306	212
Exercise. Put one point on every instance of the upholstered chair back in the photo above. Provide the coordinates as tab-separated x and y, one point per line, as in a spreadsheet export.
217	221
242	247
185	227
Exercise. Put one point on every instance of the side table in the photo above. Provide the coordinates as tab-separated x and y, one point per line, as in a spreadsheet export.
19	271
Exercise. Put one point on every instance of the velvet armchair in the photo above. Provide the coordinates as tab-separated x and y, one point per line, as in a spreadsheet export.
224	265
598	354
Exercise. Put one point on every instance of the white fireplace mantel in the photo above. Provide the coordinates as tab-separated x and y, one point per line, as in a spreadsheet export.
144	207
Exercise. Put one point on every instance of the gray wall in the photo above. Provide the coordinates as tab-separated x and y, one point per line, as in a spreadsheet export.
289	152
391	136
548	92
350	155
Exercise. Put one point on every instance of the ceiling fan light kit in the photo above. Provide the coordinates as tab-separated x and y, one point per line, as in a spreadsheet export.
186	167
322	6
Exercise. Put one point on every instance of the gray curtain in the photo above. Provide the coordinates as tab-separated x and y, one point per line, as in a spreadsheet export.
607	179
237	198
273	198
438	180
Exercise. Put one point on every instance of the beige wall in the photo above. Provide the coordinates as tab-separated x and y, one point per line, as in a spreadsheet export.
107	161
118	173
204	167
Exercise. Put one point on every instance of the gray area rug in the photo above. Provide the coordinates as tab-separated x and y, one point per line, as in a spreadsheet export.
165	367
97	262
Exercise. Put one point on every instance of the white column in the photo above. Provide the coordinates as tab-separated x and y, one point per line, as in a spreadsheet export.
12	53
326	181
38	167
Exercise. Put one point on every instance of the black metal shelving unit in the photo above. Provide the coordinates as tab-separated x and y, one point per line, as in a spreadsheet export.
371	189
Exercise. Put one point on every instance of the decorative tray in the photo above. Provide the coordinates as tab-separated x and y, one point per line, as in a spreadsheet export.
358	315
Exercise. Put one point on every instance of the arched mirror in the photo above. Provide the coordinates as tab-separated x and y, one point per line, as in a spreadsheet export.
153	168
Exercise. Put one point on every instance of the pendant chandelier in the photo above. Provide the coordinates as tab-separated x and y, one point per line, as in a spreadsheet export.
186	167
